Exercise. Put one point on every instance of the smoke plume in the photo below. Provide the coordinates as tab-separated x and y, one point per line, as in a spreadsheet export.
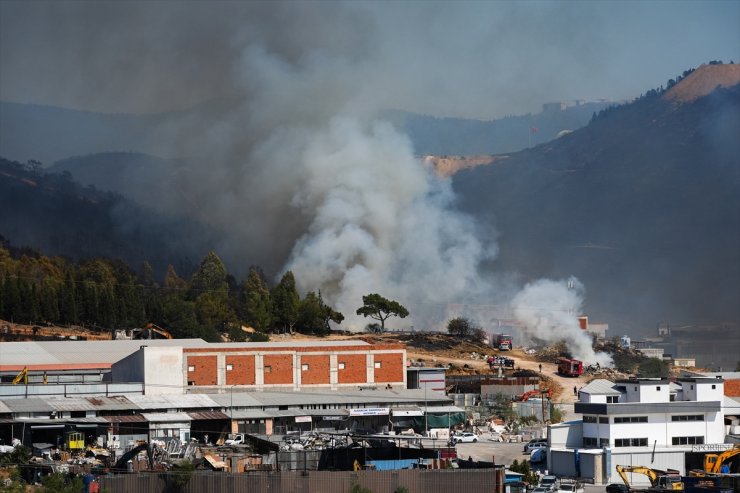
549	309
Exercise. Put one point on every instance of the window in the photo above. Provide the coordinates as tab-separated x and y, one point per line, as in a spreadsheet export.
688	417
631	419
304	367
268	369
657	388
191	367
341	366
589	419
612	399
714	386
604	419
630	442
377	364
229	367
589	442
688	440
604	442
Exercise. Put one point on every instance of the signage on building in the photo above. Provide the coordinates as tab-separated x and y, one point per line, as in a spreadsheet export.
332	418
408	412
370	411
303	419
711	447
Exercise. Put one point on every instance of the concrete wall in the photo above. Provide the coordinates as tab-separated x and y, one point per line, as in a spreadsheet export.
159	367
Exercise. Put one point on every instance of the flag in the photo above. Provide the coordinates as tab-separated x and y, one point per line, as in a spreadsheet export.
533	130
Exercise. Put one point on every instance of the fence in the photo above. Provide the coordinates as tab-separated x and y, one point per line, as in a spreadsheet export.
410	481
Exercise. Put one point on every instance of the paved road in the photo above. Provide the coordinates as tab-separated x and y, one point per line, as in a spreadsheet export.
485	450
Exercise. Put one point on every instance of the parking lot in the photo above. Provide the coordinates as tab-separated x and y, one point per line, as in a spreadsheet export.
505	453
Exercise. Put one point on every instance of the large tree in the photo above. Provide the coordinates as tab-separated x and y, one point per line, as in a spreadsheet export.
380	309
285	303
257	306
461	327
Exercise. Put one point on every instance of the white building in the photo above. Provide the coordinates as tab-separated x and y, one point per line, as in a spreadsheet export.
645	422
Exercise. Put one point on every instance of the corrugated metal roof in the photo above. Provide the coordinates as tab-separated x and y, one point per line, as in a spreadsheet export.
128	418
173	401
118	403
249	414
600	387
166	417
201	415
30	405
329	397
4	408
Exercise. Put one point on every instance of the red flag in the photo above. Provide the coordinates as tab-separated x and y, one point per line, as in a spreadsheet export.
533	130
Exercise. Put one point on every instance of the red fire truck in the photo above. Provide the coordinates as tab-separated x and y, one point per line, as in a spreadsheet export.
570	367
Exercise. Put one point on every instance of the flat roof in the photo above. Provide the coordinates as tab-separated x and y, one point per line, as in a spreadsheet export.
643	381
40	355
327	396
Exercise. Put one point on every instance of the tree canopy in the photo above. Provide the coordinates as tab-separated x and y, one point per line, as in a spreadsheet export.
379	308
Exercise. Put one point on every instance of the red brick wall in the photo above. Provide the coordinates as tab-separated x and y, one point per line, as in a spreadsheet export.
281	369
206	371
355	368
391	367
732	388
242	372
318	369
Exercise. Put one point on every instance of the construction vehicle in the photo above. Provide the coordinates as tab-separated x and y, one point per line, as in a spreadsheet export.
75	441
570	367
713	463
535	393
148	332
669	480
22	376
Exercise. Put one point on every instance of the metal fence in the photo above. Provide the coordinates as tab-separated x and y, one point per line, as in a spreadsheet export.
409	481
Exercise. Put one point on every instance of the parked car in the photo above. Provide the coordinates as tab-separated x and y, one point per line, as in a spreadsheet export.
466	437
533	446
538	455
541	489
570	487
549	482
534	440
235	440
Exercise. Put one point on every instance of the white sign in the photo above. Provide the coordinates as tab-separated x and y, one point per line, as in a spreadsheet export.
407	412
332	418
303	419
711	447
370	411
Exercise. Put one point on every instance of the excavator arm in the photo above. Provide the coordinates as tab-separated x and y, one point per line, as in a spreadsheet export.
713	462
652	474
22	376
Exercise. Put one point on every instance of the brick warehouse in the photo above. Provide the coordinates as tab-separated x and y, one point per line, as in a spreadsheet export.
295	365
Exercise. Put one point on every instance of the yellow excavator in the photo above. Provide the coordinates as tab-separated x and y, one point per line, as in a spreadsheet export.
713	462
669	480
22	376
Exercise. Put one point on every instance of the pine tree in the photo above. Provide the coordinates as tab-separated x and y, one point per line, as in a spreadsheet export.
285	303
257	303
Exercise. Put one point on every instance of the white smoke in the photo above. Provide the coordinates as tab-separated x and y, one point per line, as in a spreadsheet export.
381	222
550	310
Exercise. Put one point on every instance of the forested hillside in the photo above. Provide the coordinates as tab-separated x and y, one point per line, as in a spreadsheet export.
107	294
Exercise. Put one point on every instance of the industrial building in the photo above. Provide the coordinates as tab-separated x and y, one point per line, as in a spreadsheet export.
653	422
117	392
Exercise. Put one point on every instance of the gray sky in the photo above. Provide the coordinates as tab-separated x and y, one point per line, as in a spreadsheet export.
476	59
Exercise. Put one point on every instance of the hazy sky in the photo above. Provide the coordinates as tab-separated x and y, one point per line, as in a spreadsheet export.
478	59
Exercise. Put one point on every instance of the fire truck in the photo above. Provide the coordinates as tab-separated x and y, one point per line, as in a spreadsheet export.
502	342
570	367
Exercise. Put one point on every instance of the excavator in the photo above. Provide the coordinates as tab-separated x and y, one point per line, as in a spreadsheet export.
155	329
660	481
713	462
22	376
